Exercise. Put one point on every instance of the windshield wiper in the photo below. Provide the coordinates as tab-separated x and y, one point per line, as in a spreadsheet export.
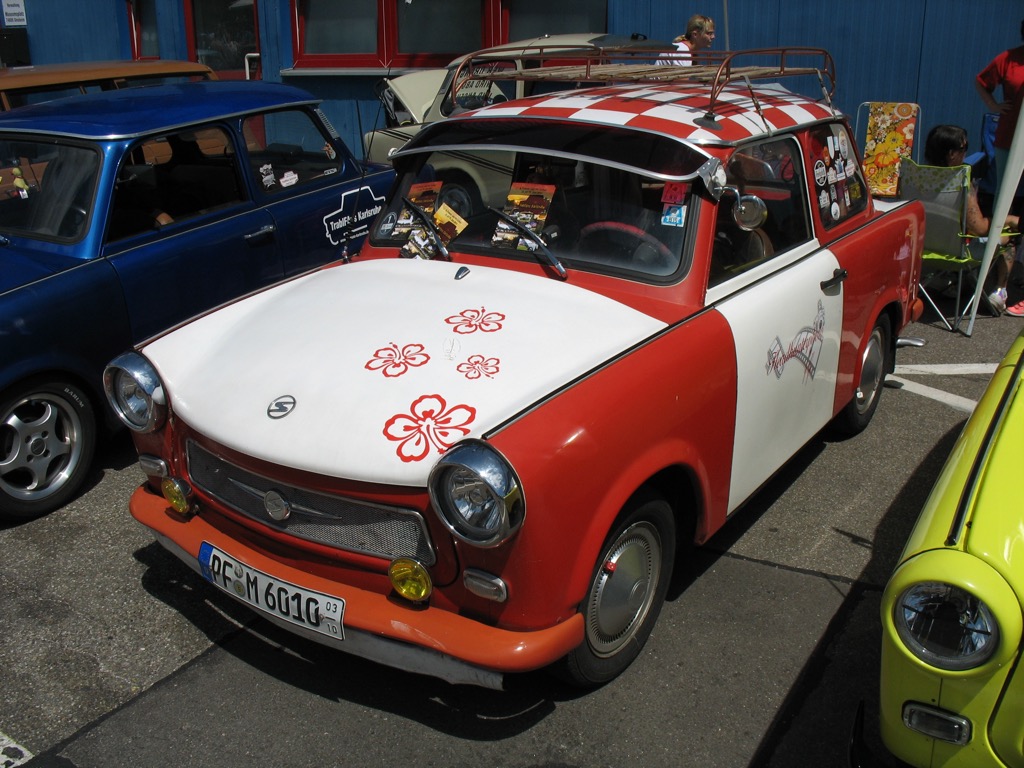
429	226
533	237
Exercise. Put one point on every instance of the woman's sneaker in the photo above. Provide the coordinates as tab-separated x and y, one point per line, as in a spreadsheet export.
1017	310
997	301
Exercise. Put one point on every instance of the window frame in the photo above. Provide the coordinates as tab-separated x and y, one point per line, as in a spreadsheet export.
494	27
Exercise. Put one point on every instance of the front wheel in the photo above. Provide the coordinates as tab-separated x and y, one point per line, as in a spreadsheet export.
47	441
874	364
627	591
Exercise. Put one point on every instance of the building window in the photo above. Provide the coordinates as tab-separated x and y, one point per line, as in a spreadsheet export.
390	33
142	23
425	33
222	33
533	18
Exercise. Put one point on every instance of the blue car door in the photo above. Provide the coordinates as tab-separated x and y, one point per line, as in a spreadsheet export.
183	233
321	198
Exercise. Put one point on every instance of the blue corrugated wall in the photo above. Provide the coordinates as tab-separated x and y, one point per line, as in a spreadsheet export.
926	51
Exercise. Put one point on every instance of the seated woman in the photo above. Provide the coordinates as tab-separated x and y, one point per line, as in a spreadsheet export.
946	146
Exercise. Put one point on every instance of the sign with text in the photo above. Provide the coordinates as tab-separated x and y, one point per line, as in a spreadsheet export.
14	13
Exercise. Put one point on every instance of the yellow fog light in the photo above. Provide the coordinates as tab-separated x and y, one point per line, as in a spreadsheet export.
177	493
410	579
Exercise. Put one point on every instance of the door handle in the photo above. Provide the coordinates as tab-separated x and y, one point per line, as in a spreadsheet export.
838	276
260	233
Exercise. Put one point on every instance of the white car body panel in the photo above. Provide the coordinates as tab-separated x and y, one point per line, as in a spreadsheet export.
787	334
343	351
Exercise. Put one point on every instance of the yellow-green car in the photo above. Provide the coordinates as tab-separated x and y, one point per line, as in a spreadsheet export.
952	686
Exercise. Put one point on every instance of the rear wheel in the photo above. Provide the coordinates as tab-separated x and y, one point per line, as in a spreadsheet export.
627	591
47	441
874	365
460	194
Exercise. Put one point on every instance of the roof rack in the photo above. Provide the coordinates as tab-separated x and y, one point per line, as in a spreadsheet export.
593	64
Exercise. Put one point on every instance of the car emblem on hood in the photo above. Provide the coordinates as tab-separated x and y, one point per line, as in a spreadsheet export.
281	407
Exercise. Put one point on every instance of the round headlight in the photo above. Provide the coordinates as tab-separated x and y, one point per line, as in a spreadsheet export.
135	392
476	494
946	626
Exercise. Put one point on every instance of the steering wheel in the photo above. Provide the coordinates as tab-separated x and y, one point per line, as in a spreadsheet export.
620	227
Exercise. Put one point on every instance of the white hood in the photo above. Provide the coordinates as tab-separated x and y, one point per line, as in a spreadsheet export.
388	362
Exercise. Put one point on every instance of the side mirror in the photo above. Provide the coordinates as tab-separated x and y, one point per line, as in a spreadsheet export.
750	212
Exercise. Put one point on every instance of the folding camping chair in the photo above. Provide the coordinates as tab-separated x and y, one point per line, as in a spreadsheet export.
944	193
888	140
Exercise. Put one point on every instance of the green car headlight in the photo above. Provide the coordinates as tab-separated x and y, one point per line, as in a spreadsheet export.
946	626
477	494
135	392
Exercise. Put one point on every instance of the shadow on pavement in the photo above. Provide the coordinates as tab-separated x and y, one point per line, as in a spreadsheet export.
820	710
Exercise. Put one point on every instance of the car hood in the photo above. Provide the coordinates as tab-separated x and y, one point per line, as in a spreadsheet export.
995	532
418	91
371	370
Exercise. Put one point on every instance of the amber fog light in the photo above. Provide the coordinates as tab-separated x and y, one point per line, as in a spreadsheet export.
410	579
177	493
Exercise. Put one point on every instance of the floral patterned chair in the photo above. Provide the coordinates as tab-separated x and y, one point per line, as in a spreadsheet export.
889	139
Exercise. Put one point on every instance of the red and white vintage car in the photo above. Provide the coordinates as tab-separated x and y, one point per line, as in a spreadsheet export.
486	444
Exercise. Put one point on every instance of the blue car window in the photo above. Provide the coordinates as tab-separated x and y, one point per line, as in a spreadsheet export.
46	189
174	177
287	149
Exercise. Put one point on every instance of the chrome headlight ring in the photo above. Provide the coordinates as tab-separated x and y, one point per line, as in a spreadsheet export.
135	392
477	494
946	626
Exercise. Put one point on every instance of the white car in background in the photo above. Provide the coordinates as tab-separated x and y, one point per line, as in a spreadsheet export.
414	99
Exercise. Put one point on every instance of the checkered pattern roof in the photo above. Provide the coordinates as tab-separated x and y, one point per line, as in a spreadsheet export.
678	111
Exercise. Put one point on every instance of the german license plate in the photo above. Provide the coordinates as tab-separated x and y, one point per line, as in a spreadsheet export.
301	607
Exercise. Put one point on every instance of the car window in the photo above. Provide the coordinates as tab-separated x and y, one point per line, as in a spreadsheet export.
591	215
46	189
288	149
838	179
773	172
173	178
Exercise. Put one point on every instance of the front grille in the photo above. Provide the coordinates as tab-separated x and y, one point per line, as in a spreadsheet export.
349	524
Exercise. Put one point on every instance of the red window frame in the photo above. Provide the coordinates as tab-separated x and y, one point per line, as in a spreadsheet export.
494	32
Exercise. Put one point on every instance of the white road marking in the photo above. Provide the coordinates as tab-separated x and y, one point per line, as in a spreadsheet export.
953	401
947	369
951	369
11	753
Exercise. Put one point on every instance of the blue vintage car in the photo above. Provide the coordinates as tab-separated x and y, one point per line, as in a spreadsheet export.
125	213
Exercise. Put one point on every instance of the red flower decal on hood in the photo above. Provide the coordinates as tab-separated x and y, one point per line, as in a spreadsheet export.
478	365
473	320
394	361
430	424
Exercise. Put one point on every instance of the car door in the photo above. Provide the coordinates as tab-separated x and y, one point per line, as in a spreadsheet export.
183	233
321	199
782	297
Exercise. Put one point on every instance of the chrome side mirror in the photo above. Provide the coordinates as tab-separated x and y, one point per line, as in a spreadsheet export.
750	212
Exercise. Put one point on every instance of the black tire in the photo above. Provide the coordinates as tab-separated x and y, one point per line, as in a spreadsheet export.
624	600
47	442
461	195
875	363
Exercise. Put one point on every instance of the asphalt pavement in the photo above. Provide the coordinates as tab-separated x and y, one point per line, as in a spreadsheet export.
115	654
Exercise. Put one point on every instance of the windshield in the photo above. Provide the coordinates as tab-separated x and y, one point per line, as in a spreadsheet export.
526	205
46	189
